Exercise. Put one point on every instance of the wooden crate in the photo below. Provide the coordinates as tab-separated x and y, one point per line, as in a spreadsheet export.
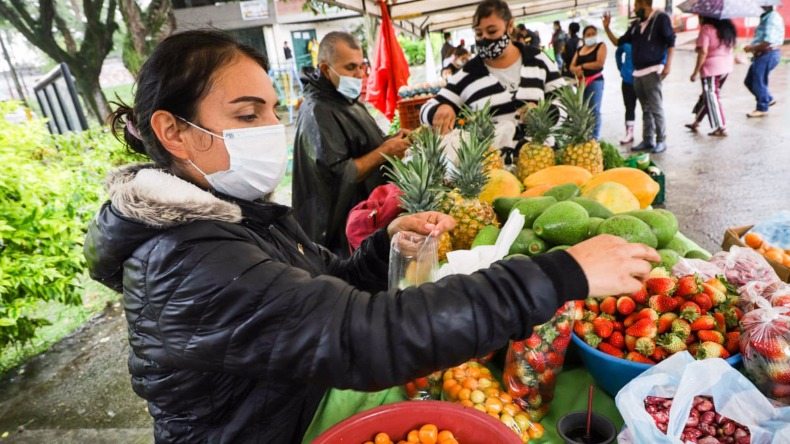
409	110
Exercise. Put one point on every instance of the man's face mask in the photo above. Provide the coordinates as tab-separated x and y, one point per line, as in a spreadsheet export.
258	160
350	87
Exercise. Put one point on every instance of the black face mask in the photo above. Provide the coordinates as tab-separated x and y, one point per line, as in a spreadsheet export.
489	49
641	14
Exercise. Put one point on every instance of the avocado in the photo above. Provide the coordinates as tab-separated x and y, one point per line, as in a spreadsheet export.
696	254
668	258
629	228
486	236
528	243
504	205
511	256
563	192
678	245
564	223
558	248
532	207
593	207
672	219
592	226
660	224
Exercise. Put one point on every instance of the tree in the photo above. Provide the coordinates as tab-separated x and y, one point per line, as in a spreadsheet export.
50	32
145	28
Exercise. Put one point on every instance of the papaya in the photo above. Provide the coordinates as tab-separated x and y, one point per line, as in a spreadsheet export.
614	196
558	175
501	183
641	185
537	191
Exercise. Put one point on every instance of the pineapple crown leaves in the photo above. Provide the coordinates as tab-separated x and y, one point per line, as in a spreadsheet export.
479	120
580	119
416	181
427	143
538	121
470	176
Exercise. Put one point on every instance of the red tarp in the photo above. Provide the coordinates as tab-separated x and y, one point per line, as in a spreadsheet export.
390	70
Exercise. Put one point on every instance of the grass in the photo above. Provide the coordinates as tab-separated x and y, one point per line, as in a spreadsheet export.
64	318
124	93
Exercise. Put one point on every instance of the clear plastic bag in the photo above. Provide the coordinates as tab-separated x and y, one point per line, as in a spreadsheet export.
425	388
778	293
765	344
414	260
704	269
532	365
743	265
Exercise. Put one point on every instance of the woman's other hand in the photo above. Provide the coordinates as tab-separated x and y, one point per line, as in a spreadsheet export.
612	265
444	119
430	223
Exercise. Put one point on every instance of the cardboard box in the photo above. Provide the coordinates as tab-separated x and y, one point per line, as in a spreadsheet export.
733	236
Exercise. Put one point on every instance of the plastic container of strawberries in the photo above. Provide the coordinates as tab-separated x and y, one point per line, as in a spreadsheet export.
612	373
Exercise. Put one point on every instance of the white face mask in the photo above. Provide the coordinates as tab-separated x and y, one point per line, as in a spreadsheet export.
591	41
350	87
258	160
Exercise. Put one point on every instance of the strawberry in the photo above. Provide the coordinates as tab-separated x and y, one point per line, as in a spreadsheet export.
779	391
703	300
592	340
554	360
660	285
710	349
731	315
533	342
665	322
547	378
646	346
718	283
680	300
662	303
690	311
625	305
617	340
774	349
537	361
547	332
607	316
638	357
640	297
731	342
535	400
537	414
716	296
710	336
611	350
589	316
659	354
645	328
591	304
688	286
672	343
563	327
681	327
561	344
721	322
582	328
647	313
518	347
608	305
692	338
603	327
630	342
618	326
659	272
630	319
705	322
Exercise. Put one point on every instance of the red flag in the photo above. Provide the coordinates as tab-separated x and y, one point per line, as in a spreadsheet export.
390	71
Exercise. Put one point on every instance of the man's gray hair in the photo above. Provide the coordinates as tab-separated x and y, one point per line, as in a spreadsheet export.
327	50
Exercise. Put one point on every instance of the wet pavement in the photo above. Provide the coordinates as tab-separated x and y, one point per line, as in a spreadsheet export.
79	391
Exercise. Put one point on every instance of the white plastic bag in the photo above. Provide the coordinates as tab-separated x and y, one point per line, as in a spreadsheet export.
681	377
743	265
704	269
414	260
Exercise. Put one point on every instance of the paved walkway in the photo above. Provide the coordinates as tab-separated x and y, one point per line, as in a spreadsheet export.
79	391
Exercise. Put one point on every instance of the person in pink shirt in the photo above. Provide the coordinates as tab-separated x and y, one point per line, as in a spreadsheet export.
714	63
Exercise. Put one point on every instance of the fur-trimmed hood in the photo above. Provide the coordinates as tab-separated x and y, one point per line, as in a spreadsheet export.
156	198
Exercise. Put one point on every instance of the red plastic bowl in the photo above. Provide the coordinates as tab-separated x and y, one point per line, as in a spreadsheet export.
469	426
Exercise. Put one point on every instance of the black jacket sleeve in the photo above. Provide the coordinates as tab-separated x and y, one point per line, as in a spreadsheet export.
265	319
366	269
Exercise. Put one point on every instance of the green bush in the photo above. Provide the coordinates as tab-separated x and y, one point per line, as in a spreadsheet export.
413	49
50	187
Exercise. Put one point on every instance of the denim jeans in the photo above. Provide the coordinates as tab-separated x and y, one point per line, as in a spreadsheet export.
651	98
757	78
594	92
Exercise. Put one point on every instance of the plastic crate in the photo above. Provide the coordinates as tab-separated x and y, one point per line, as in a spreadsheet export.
409	110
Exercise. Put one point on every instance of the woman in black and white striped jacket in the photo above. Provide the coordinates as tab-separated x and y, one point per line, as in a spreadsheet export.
506	73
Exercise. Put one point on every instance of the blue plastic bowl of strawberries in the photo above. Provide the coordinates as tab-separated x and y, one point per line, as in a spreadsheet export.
613	373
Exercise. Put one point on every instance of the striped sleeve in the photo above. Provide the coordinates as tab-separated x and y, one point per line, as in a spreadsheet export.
449	95
553	78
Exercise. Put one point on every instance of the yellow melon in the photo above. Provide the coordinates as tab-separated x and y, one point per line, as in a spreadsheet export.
614	196
501	183
558	175
641	185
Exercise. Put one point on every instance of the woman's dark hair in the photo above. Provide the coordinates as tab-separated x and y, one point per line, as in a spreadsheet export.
460	51
588	27
487	8
725	29
176	76
574	28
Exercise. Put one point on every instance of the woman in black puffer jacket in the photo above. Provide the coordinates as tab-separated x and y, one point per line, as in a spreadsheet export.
238	323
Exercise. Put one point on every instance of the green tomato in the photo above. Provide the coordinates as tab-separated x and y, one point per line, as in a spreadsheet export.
477	396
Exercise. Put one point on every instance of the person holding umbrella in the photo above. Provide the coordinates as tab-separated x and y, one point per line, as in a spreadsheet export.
766	49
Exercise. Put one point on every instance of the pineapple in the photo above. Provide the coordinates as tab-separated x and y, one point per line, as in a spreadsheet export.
538	123
420	180
577	130
481	121
469	178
